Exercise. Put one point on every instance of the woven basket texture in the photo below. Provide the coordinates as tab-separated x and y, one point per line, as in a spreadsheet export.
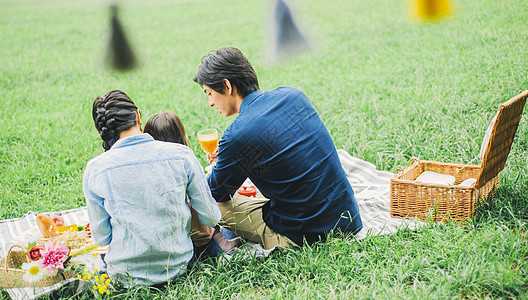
502	137
432	202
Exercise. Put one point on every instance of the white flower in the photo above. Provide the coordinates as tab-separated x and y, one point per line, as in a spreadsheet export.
34	272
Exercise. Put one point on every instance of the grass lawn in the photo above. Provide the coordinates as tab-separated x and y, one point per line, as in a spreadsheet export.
388	88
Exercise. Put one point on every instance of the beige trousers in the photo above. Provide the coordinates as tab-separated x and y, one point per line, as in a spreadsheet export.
243	216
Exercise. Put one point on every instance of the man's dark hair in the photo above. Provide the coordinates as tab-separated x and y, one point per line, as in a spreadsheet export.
231	64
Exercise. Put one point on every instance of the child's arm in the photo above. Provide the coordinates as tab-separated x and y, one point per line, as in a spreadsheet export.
200	194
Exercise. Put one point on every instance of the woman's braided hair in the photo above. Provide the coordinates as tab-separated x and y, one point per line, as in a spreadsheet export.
113	113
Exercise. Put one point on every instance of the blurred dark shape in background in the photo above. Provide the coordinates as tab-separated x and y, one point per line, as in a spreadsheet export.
288	38
120	55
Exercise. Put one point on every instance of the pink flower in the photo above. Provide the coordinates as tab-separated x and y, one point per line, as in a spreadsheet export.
53	256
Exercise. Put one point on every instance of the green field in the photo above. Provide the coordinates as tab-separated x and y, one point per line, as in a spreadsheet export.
387	87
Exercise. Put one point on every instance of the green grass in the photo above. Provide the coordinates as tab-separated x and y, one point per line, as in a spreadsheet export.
388	89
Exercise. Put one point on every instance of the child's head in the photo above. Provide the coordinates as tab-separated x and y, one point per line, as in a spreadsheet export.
167	127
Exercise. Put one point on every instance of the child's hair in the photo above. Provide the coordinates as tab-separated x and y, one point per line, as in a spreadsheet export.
167	127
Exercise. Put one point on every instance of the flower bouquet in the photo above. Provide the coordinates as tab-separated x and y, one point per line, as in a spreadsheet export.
38	266
45	261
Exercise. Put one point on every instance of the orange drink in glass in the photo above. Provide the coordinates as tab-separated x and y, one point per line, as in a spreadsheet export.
208	139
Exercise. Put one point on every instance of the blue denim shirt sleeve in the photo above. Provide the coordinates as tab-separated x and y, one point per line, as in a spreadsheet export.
200	194
99	217
227	175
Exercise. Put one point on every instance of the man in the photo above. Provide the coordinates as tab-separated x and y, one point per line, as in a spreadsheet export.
279	142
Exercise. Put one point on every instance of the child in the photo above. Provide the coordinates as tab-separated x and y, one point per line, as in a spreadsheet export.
167	126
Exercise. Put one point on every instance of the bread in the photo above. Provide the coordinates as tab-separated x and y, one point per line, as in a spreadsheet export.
47	226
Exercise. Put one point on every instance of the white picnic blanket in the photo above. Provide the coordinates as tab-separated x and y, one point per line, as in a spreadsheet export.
372	190
371	187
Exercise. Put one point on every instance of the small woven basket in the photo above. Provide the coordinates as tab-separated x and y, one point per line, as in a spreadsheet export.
11	274
435	202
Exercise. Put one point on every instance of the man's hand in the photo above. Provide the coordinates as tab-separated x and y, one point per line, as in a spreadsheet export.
211	158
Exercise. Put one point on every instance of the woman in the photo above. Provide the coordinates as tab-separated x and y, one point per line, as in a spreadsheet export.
136	195
167	127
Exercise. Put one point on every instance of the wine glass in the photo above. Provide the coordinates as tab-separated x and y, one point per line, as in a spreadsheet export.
208	139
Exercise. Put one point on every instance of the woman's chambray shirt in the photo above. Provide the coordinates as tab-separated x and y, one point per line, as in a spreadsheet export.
136	198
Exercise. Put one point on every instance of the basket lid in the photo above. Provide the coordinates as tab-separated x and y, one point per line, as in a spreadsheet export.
501	138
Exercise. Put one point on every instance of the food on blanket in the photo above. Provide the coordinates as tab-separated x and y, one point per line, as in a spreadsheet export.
47	226
87	229
59	221
74	239
33	253
67	228
248	191
69	237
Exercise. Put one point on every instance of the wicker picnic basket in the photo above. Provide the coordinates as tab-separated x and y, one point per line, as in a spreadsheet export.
11	274
435	202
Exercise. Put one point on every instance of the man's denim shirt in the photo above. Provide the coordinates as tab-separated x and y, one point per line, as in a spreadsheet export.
136	197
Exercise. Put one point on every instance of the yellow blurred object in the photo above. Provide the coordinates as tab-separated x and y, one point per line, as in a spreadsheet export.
84	250
67	228
431	9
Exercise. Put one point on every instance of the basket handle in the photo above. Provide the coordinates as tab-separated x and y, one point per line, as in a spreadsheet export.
413	160
400	169
10	249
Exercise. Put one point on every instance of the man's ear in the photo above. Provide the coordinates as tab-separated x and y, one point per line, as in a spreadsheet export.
138	117
228	86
